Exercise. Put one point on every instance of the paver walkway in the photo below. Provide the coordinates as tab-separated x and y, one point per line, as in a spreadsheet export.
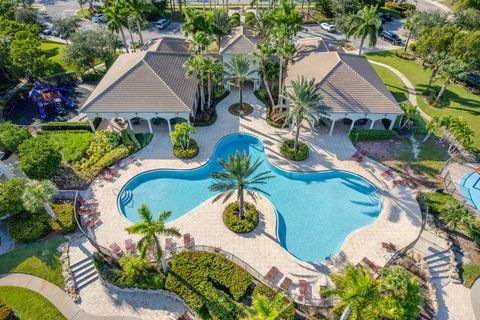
53	294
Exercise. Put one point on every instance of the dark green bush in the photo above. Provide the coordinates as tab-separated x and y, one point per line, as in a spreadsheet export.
66	219
134	139
65	126
11	196
187	153
128	142
149	280
235	19
286	149
28	227
207	123
12	136
144	138
249	19
234	223
39	159
289	311
370	135
437	201
6	313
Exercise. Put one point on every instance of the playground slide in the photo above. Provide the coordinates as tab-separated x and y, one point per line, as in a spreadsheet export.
68	102
41	109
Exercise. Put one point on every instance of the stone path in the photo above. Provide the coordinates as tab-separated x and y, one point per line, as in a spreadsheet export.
53	294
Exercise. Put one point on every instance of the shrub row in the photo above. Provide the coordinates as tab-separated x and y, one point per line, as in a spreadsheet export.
12	136
371	135
70	125
11	196
287	150
234	223
186	153
127	141
150	280
144	138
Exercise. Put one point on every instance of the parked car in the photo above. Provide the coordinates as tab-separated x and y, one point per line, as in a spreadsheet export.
391	37
99	18
385	17
328	27
162	24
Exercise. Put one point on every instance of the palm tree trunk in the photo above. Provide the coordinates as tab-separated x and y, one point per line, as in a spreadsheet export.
309	3
267	86
124	39
139	31
50	211
240	93
204	9
361	46
432	76
241	203
427	136
131	38
280	82
297	134
256	8
223	5
442	91
202	96
209	84
408	40
164	265
180	6
219	41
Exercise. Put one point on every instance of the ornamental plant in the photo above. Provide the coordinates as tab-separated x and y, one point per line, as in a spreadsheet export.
181	135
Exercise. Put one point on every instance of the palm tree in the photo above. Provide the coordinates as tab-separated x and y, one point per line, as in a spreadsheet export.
409	111
264	52
365	24
285	53
237	176
151	229
433	125
195	68
435	61
116	21
412	25
451	71
136	8
38	195
357	290
463	134
214	72
265	309
262	24
239	70
220	26
198	43
304	102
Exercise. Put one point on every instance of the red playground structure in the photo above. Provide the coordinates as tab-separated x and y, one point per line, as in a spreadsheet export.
46	97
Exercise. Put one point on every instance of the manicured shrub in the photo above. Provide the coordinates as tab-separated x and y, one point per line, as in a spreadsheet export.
6	313
150	279
235	19
128	142
287	150
234	223
144	138
49	126
12	136
134	139
189	153
249	19
39	159
437	201
28	227
11	196
66	219
370	135
289	311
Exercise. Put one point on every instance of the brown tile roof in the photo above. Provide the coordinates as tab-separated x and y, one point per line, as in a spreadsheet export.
239	43
144	82
170	45
348	82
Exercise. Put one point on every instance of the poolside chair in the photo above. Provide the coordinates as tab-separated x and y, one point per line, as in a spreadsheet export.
134	159
91	222
371	265
389	247
387	173
116	249
168	244
286	283
271	274
112	171
88	202
87	211
108	176
322	295
187	241
130	246
303	288
119	163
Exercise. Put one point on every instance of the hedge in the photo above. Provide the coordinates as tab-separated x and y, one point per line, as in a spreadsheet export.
249	19
437	201
370	135
66	218
39	158
128	142
70	125
235	19
6	313
12	136
134	139
144	138
28	227
11	196
287	150
150	280
234	223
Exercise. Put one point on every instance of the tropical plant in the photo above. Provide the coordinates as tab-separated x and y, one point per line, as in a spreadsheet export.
409	111
214	73
38	195
194	21
462	132
304	102
132	266
365	24
181	135
262	24
220	26
116	21
264	53
239	70
11	197
196	68
412	25
287	15
285	50
12	136
357	290
433	125
435	60
238	176
151	229
198	43
265	309
136	8
451	71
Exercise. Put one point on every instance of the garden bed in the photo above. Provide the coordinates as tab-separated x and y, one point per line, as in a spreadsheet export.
286	149
245	110
234	223
188	153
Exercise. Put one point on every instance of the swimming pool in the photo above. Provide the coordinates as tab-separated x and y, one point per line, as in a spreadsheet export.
470	187
315	211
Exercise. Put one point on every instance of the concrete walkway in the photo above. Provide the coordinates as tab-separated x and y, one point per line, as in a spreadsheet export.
475	297
53	294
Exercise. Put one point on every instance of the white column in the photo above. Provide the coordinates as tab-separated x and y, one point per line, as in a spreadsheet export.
110	126
392	123
91	125
150	125
169	126
351	127
373	123
130	126
331	127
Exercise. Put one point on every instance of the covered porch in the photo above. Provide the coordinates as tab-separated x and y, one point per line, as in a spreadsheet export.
348	121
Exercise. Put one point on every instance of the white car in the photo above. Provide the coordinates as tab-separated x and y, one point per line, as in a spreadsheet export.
328	27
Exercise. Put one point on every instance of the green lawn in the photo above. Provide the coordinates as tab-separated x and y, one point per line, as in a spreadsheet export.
40	259
54	52
461	102
71	144
29	305
470	273
393	83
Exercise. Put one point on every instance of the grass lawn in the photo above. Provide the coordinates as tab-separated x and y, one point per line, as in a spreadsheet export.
82	12
71	144
54	52
470	273
461	102
40	259
28	304
392	82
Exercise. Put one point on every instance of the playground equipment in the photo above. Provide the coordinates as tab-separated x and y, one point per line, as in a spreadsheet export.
46	96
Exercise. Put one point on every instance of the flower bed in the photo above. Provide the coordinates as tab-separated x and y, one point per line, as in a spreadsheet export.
188	153
234	223
287	150
236	110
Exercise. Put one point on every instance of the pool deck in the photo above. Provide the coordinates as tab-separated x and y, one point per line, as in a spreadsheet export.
398	223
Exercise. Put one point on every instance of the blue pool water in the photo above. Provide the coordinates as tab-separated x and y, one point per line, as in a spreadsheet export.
470	187
316	211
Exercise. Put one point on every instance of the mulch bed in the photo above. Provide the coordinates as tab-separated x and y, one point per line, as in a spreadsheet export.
235	109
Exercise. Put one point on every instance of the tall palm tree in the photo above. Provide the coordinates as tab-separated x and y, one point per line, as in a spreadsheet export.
304	102
412	25
365	24
285	53
433	125
264	52
198	43
116	21
462	132
151	229
38	195
357	290
214	72
136	8
409	111
262	24
195	68
220	26
265	309
435	61
238	176
239	70
451	71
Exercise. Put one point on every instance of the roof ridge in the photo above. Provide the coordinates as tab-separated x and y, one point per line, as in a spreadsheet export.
365	80
232	41
333	68
127	72
163	81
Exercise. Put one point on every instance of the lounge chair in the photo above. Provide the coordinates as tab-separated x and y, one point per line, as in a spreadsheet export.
112	171
129	246
387	173
389	247
371	265
271	274
119	163
116	249
358	157
87	211
322	295
187	241
303	288
91	222
134	159
88	202
286	283
108	176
